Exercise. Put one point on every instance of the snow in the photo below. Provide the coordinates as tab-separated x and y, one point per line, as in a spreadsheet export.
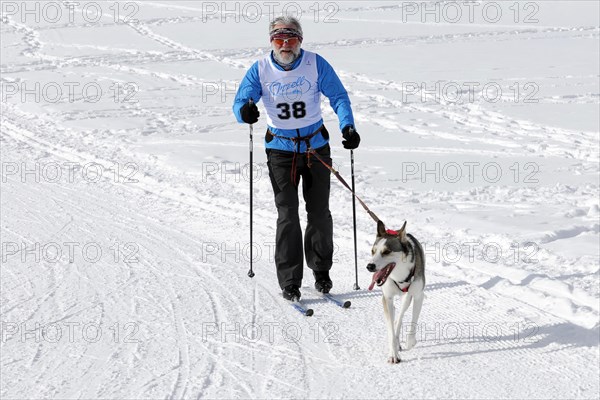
124	208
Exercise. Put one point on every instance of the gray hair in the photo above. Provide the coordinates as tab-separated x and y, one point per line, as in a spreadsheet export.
286	20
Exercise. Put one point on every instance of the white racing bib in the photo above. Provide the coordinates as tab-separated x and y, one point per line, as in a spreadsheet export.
292	98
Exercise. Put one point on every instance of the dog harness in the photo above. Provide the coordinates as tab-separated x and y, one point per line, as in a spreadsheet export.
407	280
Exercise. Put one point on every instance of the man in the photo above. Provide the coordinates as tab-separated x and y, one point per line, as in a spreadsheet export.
290	81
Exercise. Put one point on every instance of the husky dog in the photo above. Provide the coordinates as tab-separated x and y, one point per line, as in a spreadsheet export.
398	264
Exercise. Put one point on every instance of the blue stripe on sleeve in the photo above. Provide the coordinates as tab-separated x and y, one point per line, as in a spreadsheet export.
249	88
331	86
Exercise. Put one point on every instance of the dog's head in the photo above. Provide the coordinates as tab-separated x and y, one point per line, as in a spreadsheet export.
389	249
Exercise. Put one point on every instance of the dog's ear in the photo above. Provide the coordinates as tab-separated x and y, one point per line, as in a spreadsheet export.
402	233
380	229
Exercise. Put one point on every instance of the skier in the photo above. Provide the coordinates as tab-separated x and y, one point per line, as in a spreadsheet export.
290	82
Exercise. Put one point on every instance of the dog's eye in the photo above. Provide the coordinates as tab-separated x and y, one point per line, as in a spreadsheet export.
372	252
386	252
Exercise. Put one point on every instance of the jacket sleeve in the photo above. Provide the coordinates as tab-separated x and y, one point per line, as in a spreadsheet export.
249	88
331	86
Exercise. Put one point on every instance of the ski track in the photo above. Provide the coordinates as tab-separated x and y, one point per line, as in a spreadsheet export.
174	289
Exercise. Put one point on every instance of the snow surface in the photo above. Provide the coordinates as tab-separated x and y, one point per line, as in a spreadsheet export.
125	221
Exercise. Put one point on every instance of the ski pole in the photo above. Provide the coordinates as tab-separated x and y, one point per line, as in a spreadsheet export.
356	287
251	272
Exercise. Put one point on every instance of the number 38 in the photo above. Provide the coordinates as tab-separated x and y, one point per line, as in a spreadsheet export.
298	110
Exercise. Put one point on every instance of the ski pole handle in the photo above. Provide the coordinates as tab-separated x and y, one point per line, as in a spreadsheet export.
251	102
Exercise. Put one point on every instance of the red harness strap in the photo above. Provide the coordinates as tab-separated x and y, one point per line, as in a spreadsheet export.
407	280
402	290
297	142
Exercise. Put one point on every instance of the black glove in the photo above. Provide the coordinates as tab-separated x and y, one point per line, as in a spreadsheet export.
352	138
249	113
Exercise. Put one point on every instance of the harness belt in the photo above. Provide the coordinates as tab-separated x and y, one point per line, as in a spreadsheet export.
297	142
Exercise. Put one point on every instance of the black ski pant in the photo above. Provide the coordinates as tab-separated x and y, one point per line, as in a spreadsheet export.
318	237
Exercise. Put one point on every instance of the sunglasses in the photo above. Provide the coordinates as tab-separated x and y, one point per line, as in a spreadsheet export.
292	41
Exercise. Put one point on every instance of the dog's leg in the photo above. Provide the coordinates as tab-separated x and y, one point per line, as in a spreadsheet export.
403	307
411	339
388	311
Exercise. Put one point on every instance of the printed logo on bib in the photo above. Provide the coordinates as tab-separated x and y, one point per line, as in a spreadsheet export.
289	88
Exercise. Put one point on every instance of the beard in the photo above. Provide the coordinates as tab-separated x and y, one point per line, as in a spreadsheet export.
286	57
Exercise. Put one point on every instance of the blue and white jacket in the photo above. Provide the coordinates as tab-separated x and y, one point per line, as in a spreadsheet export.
327	83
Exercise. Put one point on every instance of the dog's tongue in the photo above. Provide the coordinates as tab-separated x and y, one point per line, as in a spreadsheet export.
381	275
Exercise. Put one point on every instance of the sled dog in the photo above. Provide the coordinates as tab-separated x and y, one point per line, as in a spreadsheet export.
398	264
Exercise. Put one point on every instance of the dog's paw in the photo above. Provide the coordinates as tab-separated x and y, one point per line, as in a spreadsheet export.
394	360
411	341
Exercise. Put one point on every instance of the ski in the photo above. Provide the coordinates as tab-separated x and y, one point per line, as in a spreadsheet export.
300	308
337	301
